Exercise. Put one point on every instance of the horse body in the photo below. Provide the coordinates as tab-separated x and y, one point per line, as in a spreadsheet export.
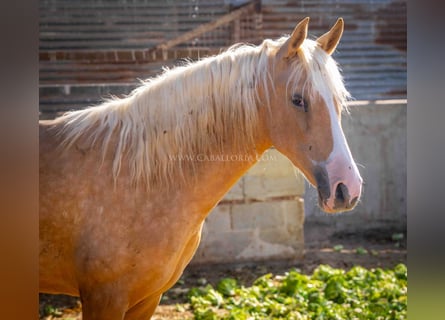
137	241
121	215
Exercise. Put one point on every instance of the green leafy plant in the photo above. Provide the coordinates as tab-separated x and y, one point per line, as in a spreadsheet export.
397	238
328	293
361	251
50	310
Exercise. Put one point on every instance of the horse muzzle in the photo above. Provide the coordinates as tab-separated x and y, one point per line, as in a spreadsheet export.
338	191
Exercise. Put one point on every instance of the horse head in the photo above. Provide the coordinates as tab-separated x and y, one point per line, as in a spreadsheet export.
306	96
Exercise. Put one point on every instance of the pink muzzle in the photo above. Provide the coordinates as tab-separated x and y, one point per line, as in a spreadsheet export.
339	184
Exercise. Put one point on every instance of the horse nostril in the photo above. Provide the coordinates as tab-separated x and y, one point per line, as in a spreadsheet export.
342	197
340	192
342	200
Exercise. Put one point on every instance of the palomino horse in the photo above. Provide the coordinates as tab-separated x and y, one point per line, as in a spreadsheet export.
121	217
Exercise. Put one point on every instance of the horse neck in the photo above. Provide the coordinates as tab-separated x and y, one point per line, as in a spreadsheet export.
208	178
218	171
218	122
237	138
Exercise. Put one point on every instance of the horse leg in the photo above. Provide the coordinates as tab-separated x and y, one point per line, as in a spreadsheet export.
102	305
144	309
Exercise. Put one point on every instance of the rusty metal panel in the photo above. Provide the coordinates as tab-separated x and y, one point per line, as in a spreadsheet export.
372	52
103	42
136	24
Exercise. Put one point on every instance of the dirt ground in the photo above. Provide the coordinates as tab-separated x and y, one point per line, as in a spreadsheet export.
372	248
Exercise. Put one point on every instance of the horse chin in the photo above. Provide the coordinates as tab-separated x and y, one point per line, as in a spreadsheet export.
327	209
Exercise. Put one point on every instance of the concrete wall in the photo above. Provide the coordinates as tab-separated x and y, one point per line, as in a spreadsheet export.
376	133
263	215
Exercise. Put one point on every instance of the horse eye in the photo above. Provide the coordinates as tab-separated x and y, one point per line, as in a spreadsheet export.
299	102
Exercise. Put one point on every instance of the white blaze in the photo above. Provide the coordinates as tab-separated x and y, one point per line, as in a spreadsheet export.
340	165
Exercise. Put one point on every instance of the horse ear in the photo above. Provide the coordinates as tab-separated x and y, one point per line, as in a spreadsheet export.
291	46
330	39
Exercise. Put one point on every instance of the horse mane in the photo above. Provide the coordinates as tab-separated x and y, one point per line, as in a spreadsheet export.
192	109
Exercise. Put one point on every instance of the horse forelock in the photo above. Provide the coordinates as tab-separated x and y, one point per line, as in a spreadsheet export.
321	75
185	111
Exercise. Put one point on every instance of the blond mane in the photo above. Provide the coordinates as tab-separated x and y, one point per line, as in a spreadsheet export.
193	109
